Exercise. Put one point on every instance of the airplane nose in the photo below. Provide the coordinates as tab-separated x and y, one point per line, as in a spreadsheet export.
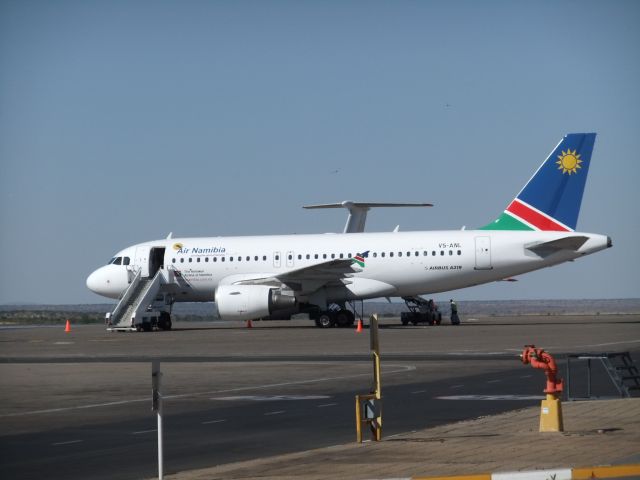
93	283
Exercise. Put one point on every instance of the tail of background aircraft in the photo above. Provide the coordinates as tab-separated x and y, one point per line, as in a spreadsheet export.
552	197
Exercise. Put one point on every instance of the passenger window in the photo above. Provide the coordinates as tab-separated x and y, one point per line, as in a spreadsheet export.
206	259
198	260
459	252
173	260
299	257
350	256
277	257
315	256
231	259
441	252
222	259
333	255
382	254
375	255
391	254
290	257
450	252
341	255
324	255
215	259
433	253
182	260
256	258
425	253
239	259
308	256
248	259
399	254
264	258
408	254
190	259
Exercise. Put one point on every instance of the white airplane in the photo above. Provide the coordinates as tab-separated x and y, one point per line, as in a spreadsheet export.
258	276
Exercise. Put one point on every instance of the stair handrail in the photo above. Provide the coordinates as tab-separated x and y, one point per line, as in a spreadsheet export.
146	297
127	294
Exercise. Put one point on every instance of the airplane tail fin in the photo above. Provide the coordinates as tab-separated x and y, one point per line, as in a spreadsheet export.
551	198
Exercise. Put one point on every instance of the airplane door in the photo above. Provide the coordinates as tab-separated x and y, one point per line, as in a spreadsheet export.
276	259
141	259
483	253
290	259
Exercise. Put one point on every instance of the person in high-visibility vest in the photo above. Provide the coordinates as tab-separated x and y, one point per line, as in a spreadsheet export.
455	319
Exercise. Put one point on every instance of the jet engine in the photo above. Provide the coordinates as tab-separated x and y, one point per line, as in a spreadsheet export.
248	302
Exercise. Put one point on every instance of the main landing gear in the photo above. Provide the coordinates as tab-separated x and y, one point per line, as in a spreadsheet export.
332	318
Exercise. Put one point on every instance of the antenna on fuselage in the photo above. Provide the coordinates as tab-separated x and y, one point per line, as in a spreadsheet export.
358	211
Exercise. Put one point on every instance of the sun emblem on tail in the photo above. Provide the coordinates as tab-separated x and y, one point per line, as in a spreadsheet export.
569	162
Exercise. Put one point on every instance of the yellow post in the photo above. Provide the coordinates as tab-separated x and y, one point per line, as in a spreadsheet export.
551	414
376	390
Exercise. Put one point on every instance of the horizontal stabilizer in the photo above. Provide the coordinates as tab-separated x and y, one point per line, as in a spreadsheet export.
568	243
358	211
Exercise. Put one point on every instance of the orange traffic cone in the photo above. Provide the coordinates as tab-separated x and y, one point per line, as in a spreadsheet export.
359	327
67	329
249	324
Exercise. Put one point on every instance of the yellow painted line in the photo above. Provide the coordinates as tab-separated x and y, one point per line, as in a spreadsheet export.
482	476
615	471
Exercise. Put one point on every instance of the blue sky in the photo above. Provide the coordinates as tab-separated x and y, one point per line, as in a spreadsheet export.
121	121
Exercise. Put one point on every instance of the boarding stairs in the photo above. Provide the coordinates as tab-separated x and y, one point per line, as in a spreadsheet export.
131	312
619	366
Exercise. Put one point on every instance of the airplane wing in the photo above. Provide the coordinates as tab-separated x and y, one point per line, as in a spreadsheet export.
548	248
303	280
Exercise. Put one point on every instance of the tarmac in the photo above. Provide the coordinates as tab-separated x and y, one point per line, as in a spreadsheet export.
596	433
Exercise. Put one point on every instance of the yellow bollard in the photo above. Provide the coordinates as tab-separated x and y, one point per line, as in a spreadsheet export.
551	415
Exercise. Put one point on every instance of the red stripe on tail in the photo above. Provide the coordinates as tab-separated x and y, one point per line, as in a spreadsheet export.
534	218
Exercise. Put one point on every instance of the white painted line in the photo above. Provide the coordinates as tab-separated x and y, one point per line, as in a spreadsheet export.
213	421
417	392
66	443
526	376
494	381
141	432
558	474
327	405
456	386
491	397
275	413
400	369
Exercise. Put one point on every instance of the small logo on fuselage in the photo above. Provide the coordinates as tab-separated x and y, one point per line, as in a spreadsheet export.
359	258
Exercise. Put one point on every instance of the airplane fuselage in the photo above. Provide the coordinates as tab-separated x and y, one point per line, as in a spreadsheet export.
398	264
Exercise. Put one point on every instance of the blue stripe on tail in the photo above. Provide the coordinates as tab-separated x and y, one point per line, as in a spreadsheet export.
556	188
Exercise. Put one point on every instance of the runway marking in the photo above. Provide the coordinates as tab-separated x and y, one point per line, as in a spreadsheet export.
418	391
526	376
275	413
141	432
493	381
400	369
491	397
70	442
272	398
327	405
213	421
456	386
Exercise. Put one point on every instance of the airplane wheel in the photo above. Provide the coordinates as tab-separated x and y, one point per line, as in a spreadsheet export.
325	320
164	322
344	318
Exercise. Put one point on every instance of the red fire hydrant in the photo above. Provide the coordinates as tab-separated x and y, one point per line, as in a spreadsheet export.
551	413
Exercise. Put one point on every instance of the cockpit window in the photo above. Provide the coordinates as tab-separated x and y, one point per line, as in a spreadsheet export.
118	261
111	261
126	261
